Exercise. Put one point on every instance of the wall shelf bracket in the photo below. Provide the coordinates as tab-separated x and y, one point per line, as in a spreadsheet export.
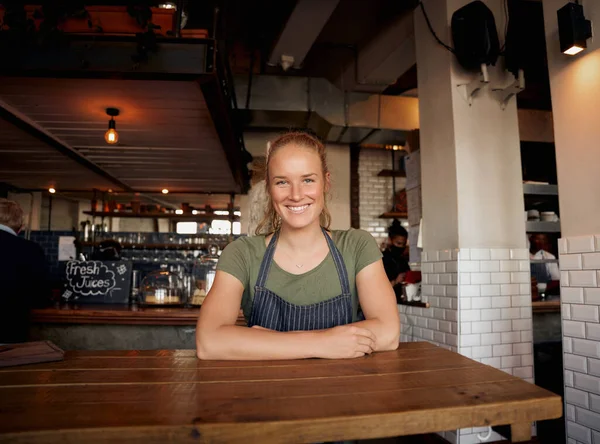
505	94
470	89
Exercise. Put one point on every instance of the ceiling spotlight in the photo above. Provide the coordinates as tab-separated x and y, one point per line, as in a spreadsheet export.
573	29
194	212
111	136
165	191
51	190
178	211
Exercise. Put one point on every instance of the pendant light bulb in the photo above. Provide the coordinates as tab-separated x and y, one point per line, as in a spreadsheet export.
111	136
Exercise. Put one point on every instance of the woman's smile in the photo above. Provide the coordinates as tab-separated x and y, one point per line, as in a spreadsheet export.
298	209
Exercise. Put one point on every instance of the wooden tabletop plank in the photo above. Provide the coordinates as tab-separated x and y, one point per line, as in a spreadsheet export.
177	373
338	377
403	347
442	408
187	361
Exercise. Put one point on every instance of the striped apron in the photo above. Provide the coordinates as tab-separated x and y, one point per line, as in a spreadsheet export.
272	312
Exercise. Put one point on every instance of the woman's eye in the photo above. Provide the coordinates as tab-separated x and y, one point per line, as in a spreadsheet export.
280	182
308	180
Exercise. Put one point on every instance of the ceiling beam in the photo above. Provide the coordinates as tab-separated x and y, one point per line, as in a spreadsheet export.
22	122
219	95
301	30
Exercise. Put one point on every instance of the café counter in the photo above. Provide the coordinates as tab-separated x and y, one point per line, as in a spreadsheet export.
116	327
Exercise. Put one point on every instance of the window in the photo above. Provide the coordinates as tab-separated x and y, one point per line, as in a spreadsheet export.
224	227
187	227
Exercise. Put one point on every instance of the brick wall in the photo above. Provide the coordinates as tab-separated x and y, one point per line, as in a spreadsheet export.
580	307
375	193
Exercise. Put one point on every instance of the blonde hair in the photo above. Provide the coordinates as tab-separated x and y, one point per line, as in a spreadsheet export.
11	214
271	221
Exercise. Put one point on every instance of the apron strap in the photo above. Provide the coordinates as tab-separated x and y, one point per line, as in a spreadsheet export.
265	265
339	263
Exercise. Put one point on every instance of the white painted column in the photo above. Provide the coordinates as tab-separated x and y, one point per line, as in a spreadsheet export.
475	263
575	86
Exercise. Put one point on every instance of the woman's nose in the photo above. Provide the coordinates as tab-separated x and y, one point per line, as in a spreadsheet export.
296	192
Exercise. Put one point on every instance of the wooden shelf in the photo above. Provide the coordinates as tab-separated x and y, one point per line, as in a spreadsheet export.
189	217
415	304
130	246
552	306
393	215
392	173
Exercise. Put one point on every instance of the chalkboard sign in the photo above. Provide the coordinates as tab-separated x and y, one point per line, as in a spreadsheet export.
98	282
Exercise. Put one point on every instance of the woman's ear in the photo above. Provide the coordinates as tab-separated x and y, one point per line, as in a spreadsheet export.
327	181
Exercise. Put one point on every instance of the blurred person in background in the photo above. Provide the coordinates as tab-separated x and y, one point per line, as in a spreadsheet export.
396	249
23	275
546	271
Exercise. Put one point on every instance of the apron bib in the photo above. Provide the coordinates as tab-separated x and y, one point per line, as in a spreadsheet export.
272	312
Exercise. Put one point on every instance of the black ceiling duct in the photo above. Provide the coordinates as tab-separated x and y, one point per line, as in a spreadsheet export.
474	35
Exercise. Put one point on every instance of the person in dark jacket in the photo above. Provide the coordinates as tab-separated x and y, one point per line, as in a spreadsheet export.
23	275
396	250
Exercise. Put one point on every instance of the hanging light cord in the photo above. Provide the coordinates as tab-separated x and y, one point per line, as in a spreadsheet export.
449	48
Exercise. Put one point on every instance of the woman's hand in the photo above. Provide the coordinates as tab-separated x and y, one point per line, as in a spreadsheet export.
345	342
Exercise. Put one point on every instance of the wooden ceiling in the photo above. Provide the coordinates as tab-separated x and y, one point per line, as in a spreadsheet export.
167	138
26	162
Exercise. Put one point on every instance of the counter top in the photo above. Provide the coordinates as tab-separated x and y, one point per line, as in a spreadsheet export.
547	306
118	314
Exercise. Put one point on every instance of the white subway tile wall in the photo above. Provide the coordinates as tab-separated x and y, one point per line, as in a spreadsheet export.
495	309
437	324
375	193
480	306
580	307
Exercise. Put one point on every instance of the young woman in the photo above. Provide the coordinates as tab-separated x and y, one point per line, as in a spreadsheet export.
299	284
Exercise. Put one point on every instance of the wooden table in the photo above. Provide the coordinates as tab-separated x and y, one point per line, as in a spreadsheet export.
156	396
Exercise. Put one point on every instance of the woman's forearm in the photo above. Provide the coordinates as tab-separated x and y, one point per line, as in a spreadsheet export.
231	342
387	332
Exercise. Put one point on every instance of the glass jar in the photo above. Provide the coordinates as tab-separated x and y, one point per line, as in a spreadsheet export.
203	273
161	287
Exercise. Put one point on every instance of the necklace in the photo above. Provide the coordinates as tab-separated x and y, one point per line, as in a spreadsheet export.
293	259
289	256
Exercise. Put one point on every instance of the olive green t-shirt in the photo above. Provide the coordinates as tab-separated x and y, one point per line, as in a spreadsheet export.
242	259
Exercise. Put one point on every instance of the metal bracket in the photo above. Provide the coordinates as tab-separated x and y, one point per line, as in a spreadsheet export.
505	94
469	89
